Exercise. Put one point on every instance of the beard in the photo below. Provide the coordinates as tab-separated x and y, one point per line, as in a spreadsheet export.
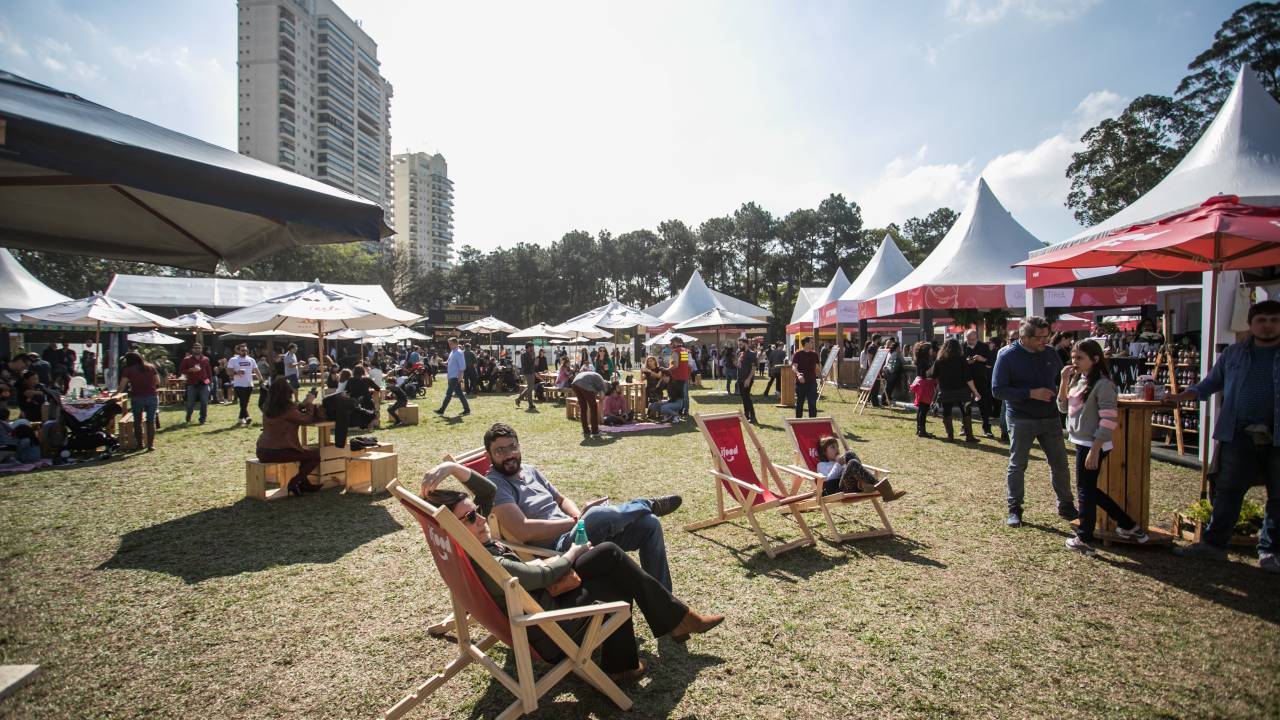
510	466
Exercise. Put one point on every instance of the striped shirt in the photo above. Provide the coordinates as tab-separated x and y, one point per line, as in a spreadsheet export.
1093	419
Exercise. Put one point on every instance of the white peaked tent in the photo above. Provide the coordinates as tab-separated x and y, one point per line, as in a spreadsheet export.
614	315
20	290
696	298
831	293
970	268
887	267
1238	154
802	315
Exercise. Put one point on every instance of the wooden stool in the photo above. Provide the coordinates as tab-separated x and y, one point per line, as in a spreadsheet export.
571	408
380	447
324	432
124	433
370	472
332	470
409	414
258	475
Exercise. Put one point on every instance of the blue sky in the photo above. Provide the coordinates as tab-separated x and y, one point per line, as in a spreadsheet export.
590	115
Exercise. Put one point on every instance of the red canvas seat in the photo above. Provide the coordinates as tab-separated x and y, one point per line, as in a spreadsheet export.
805	434
457	554
735	475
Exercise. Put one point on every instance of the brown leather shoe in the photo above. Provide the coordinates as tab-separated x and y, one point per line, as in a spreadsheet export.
887	493
627	677
694	622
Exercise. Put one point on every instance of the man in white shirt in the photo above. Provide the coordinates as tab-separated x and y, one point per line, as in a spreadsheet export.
291	365
243	370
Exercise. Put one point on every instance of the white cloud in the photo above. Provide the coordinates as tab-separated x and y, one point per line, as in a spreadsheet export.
10	45
909	187
985	12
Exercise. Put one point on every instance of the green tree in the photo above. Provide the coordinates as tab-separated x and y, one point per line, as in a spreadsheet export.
922	235
718	256
678	254
841	242
1252	35
754	230
80	276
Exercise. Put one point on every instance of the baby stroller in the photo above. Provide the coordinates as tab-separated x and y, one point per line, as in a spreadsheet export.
84	429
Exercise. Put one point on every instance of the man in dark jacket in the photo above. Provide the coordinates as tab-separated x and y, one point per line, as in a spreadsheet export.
746	374
978	355
1026	375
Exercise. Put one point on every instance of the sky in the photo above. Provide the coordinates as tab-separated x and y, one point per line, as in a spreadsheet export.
560	116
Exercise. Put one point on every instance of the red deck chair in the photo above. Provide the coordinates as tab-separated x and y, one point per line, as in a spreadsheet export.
736	476
805	434
478	460
455	550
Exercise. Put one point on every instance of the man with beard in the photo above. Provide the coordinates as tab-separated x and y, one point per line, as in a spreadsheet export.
531	511
980	360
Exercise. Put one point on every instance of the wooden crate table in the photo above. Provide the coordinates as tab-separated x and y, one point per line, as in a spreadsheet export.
324	432
635	394
124	433
787	385
267	481
370	472
1126	473
380	447
409	414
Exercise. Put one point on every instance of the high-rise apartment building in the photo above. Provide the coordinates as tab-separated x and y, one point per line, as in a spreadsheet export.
423	211
311	97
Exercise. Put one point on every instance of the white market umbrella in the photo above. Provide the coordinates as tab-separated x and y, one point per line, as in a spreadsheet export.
583	334
153	337
93	311
406	333
666	338
269	333
488	325
541	331
719	319
314	310
615	315
197	320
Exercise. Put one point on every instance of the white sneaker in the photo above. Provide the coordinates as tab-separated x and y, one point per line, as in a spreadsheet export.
1136	534
1075	544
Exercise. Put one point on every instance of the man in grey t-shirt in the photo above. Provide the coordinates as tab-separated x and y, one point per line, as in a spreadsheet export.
530	510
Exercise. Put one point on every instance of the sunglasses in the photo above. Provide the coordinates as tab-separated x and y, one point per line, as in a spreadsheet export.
470	517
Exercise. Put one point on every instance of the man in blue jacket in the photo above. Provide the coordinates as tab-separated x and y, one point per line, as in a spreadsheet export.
1248	376
1025	377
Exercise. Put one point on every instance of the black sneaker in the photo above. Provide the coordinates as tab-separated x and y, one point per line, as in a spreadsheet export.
1014	520
440	413
1068	513
665	505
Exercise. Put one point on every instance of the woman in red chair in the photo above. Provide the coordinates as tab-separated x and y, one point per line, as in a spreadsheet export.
581	576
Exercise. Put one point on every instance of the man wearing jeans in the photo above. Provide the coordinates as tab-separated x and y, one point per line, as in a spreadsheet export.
1026	378
456	369
681	371
528	368
244	371
530	510
196	369
805	364
1248	376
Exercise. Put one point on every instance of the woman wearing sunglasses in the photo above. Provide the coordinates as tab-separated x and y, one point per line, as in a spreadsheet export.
581	576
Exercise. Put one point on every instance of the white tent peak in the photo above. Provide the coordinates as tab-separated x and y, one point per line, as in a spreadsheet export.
979	249
697	298
887	266
834	289
805	304
20	290
1238	154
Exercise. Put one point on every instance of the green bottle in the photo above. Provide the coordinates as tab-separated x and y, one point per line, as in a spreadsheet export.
580	534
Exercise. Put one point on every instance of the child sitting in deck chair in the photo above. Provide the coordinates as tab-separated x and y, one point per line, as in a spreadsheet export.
845	474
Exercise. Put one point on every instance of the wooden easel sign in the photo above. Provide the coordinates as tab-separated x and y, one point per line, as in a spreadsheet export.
830	373
869	379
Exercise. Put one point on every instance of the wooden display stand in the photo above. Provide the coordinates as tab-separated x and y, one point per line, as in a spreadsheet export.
787	386
371	472
1166	362
267	481
409	414
1126	473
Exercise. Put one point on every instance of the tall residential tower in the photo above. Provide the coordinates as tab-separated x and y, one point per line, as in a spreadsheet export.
423	211
311	97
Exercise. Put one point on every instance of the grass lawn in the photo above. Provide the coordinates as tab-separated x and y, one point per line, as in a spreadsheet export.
149	587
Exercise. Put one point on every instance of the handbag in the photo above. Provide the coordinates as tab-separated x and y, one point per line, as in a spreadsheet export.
567	582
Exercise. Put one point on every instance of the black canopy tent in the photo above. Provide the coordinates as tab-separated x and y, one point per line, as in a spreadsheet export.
80	178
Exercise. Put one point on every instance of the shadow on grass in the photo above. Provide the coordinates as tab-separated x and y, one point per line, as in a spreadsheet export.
792	566
1233	585
251	536
897	547
656	696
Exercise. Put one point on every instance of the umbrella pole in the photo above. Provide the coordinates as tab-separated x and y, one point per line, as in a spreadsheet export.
1206	442
320	335
97	340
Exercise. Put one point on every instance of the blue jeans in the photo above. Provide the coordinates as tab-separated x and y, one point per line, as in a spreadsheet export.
730	375
455	389
631	526
1024	433
1241	464
684	407
198	393
149	403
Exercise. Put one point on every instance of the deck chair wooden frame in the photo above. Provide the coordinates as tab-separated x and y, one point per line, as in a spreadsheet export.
446	536
748	497
526	552
806	463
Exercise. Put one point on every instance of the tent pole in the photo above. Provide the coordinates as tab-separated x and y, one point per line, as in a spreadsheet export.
1212	344
320	335
97	340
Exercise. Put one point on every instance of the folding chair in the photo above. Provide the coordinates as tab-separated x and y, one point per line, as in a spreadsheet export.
457	554
478	460
805	434
735	474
